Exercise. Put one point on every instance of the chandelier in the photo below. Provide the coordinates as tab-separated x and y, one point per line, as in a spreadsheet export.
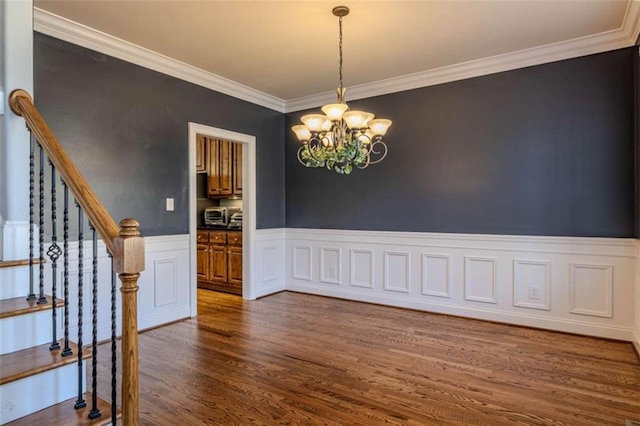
340	138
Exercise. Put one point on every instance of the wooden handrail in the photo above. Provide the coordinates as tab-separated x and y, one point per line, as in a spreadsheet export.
124	242
21	104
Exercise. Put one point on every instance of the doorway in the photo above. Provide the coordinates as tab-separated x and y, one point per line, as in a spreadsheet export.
248	205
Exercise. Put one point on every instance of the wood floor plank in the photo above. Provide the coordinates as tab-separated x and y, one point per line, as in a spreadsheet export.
21	306
65	414
27	362
301	359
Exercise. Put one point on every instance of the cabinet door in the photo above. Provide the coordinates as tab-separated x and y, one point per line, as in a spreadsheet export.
237	169
213	166
202	264
218	264
201	164
234	268
219	160
225	168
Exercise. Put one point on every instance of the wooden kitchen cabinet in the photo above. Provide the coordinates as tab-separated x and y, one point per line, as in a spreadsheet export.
219	261
202	264
234	259
201	159
237	169
234	266
218	264
223	167
220	165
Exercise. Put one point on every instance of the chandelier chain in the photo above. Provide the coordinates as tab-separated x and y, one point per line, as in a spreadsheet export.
340	47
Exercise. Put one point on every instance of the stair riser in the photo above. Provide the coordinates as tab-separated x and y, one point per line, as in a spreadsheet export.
34	393
25	331
14	282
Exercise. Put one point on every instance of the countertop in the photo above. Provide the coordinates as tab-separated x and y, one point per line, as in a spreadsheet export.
218	228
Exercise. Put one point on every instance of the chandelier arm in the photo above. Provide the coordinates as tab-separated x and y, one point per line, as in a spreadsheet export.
299	154
382	152
317	145
364	164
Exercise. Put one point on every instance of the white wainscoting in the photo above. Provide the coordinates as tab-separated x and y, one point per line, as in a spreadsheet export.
269	266
164	285
576	285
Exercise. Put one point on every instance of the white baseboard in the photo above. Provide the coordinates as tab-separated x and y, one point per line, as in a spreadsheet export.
575	285
527	320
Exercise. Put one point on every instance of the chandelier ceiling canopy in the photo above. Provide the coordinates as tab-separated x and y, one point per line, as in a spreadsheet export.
341	139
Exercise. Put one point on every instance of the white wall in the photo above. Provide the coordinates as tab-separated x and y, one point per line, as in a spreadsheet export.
269	267
577	285
17	72
163	294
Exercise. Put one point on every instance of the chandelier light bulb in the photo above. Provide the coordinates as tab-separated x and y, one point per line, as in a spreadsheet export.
326	126
314	122
357	120
379	126
334	111
302	133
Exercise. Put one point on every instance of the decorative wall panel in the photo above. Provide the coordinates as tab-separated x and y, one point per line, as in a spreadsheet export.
591	289
532	284
436	276
397	272
361	268
480	279
330	265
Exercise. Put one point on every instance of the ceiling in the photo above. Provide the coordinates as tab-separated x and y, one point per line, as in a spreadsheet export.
289	49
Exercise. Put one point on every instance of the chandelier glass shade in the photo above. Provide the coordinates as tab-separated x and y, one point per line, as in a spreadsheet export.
341	139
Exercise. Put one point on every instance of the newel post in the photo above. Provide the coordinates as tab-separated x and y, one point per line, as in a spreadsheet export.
128	263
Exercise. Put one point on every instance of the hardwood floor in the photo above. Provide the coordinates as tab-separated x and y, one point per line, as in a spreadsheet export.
300	359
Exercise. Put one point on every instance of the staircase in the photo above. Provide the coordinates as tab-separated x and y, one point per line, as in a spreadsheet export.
48	374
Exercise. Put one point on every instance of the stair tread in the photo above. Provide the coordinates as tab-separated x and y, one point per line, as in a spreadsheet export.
64	413
21	306
28	362
17	262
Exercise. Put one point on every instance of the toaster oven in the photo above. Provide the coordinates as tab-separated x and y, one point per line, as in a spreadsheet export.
218	216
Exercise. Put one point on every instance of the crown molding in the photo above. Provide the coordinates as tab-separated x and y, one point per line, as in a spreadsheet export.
624	36
81	35
64	29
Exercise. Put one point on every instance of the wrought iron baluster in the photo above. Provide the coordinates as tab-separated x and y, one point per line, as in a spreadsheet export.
80	402
113	345
95	412
54	253
32	294
41	298
67	350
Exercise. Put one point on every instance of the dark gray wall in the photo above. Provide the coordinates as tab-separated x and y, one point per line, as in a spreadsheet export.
545	150
126	127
